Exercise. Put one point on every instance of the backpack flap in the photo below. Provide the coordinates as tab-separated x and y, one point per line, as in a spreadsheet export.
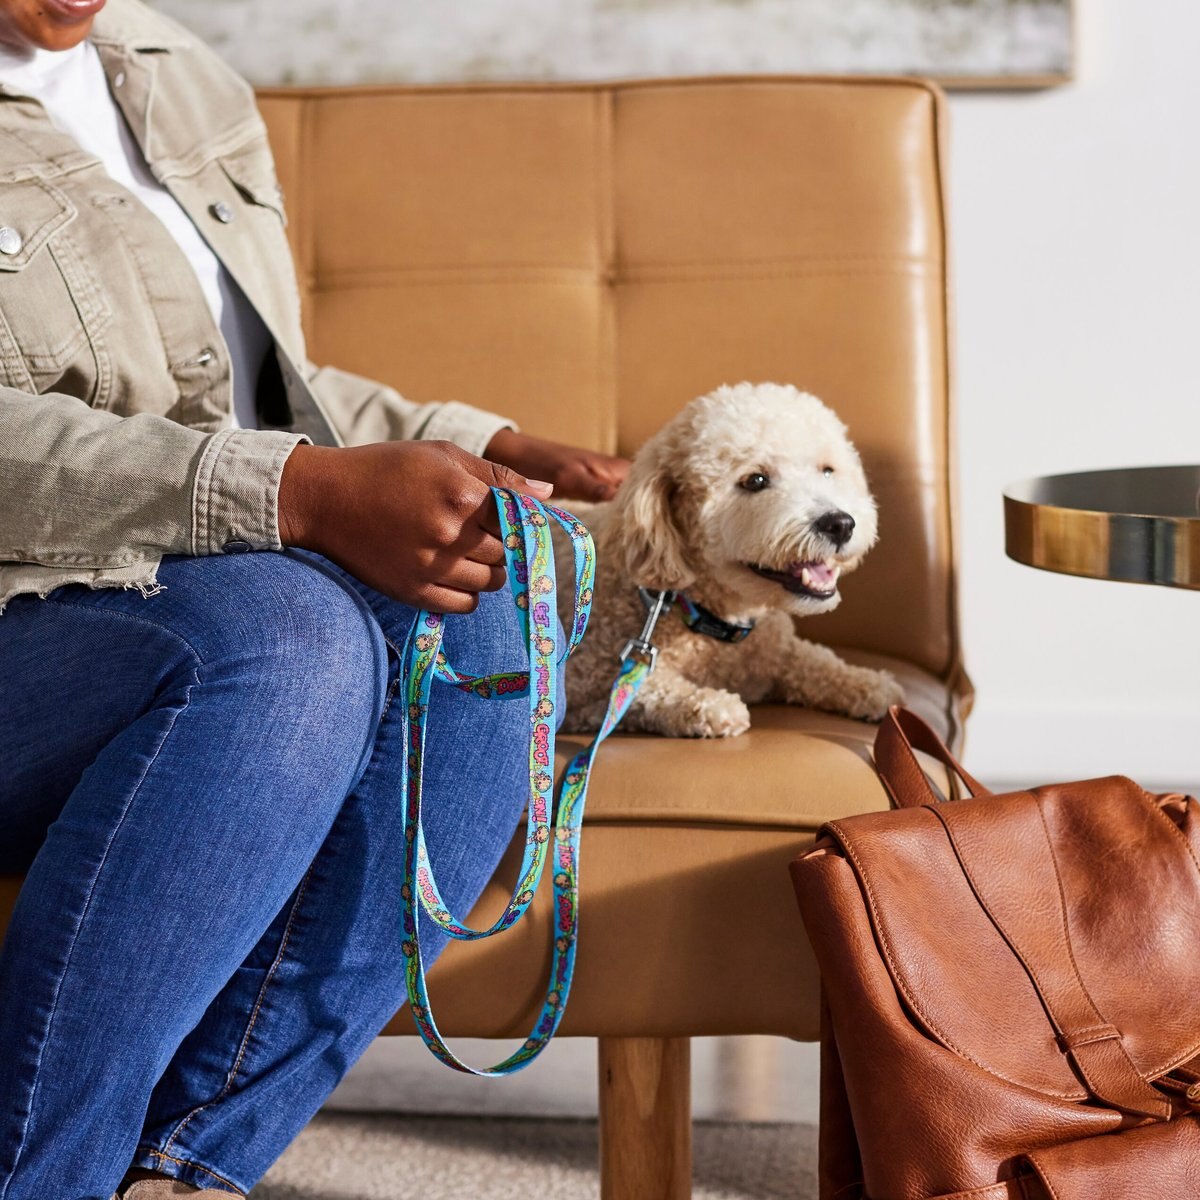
1046	936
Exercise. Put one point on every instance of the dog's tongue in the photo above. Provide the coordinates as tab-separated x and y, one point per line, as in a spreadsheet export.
820	574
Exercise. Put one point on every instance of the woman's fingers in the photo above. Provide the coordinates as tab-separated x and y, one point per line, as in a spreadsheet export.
448	600
481	545
465	575
489	520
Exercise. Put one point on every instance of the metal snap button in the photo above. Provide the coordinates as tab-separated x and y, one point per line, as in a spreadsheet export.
222	212
119	80
237	546
203	358
10	241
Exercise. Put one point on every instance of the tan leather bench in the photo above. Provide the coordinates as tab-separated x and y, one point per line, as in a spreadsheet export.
587	259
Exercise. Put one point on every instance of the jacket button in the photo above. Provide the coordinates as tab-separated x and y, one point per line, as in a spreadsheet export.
10	241
236	547
222	212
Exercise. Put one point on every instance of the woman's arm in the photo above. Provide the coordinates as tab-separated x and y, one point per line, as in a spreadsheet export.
85	488
81	488
364	412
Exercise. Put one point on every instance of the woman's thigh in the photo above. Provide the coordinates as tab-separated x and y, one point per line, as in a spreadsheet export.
274	648
292	646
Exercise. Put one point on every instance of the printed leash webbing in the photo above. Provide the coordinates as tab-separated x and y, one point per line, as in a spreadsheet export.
525	526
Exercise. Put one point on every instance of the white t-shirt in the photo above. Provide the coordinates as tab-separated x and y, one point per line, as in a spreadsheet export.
72	87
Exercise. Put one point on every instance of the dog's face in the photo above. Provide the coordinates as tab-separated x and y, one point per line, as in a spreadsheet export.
755	494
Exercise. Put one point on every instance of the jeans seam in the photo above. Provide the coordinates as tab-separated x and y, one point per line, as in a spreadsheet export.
134	617
391	692
253	1020
75	941
195	1166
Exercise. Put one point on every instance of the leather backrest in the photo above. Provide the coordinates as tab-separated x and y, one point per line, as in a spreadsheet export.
587	259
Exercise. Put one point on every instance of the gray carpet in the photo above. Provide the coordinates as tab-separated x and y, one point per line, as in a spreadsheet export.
360	1156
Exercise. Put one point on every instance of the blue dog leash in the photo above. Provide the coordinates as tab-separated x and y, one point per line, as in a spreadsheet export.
525	525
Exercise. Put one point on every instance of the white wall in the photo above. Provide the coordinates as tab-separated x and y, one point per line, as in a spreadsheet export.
1076	228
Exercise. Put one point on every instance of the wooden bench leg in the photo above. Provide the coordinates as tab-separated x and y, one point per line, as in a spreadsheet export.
645	1119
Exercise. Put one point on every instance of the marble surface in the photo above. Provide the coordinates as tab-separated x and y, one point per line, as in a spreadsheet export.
332	42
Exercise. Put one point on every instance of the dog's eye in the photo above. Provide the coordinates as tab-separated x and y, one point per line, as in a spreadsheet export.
755	482
827	472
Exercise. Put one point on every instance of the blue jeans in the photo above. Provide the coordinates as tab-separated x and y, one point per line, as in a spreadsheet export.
204	788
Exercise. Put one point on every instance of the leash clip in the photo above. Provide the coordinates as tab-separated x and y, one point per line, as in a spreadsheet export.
657	603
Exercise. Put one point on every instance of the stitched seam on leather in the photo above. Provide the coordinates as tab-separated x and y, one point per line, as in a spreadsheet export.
1148	800
1081	1094
1062	899
1160	1070
894	969
1062	908
1045	1179
897	977
979	1191
1033	975
334	280
1082	1037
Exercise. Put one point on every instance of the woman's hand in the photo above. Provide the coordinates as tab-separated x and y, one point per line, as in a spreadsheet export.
414	520
576	474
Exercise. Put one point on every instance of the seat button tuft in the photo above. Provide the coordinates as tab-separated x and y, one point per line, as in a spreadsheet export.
10	240
222	212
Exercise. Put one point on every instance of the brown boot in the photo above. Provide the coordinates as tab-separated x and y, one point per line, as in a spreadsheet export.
159	1189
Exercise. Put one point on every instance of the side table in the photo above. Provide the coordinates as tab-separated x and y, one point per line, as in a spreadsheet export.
1136	524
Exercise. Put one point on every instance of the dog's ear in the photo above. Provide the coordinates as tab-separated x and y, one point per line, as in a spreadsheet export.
649	524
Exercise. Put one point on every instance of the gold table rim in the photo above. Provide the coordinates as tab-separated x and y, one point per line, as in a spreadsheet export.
1162	549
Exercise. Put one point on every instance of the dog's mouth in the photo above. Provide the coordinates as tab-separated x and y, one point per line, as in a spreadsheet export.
816	578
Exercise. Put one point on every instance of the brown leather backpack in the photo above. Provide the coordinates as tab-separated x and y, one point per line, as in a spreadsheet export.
1011	989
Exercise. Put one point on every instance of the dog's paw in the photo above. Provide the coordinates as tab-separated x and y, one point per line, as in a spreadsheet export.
709	713
870	693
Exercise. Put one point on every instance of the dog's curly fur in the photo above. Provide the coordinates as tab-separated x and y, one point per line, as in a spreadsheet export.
685	520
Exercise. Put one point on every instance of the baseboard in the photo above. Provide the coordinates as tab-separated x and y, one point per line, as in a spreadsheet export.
1161	750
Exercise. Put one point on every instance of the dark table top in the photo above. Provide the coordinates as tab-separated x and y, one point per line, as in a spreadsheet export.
1135	524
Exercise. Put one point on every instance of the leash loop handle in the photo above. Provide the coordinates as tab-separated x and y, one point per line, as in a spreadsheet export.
529	554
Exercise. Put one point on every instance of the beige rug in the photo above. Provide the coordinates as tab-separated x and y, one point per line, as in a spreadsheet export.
352	1156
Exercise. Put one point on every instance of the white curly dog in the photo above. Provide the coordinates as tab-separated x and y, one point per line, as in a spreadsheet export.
753	503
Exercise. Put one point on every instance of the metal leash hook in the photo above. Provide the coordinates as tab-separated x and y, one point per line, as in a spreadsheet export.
657	603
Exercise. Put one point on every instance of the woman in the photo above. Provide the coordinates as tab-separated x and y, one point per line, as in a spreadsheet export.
201	764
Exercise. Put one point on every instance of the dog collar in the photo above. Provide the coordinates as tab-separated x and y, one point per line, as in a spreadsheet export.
695	616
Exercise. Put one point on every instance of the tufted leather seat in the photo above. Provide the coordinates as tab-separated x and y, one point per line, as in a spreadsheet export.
587	259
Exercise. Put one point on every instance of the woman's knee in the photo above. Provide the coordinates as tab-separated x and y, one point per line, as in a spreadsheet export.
290	647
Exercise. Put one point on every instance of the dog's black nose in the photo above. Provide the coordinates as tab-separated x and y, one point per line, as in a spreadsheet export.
836	525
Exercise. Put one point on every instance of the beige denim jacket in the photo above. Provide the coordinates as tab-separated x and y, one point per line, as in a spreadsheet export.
115	394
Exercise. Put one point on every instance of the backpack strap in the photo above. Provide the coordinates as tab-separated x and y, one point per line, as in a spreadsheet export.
1008	859
901	734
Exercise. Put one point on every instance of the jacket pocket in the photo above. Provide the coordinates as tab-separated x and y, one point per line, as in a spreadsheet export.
258	250
251	170
52	308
